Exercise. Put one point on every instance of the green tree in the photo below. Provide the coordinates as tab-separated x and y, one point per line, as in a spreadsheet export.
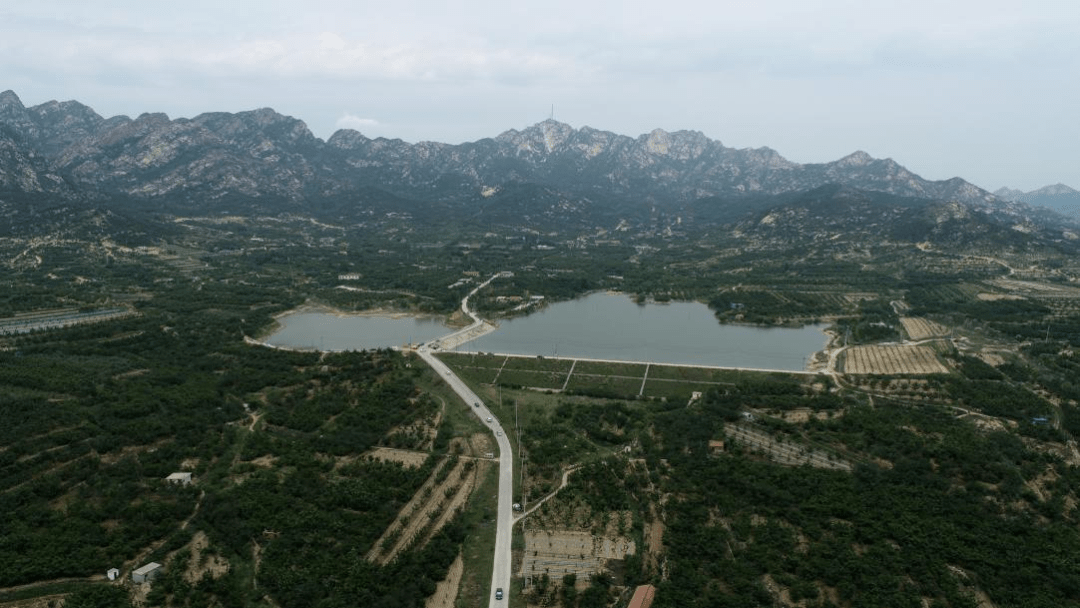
98	596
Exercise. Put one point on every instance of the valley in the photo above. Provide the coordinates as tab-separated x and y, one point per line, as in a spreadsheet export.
925	455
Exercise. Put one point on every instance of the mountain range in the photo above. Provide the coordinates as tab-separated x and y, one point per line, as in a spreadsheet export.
263	160
1059	197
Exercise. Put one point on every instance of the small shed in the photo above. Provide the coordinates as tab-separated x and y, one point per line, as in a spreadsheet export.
146	573
112	573
183	478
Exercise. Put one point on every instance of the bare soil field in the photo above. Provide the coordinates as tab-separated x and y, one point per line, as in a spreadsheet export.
1036	288
991	358
913	359
995	297
409	458
481	444
918	328
560	552
654	544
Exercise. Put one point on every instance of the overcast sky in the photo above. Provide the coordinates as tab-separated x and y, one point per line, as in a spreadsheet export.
982	89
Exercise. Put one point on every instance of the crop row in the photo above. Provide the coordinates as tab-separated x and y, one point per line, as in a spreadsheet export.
892	359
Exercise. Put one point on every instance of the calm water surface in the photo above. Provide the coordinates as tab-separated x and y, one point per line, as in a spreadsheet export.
598	326
327	331
612	326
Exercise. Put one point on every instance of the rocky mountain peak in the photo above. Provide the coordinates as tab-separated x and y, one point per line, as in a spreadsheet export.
855	159
9	100
554	134
261	152
1008	194
658	141
1059	197
14	114
680	145
543	138
1055	190
346	139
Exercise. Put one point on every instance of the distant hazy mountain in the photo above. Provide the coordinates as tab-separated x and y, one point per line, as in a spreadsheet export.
65	159
1058	197
264	155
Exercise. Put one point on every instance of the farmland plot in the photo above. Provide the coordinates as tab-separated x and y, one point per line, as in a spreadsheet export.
557	553
918	328
893	359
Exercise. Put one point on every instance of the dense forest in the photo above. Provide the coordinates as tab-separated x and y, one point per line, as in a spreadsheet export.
97	416
960	487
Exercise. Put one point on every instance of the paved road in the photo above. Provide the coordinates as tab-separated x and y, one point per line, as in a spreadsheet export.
504	517
500	573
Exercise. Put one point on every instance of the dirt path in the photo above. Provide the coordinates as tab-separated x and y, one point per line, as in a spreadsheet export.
71	579
101	577
141	557
536	505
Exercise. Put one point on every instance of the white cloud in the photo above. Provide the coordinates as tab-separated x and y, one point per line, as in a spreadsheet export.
349	121
813	79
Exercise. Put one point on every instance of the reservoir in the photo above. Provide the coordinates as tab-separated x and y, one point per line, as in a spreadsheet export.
598	326
612	326
337	332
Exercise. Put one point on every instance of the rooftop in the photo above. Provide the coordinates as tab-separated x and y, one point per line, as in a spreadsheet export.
150	568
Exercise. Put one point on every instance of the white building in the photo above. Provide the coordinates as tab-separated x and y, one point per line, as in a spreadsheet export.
180	478
112	573
146	573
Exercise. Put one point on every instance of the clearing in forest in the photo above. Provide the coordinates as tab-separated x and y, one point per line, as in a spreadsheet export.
408	458
557	553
